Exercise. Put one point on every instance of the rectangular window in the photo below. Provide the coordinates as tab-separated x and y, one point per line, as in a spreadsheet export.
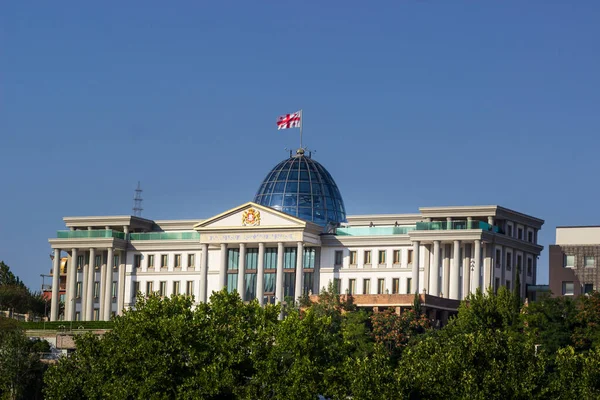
116	261
270	283
177	260
164	260
309	280
250	286
520	233
529	267
150	260
339	257
380	286
509	230
367	256
113	290
80	261
410	256
176	287
353	258
232	282
289	258
289	285
396	256
162	289
351	286
496	284
569	261
96	314
98	261
149	288
508	261
233	259
382	256
96	289
78	290
588	288
498	265
508	285
519	263
271	258
366	286
77	316
530	237
251	259
136	289
189	288
137	261
395	285
191	261
309	258
589	261
568	288
408	285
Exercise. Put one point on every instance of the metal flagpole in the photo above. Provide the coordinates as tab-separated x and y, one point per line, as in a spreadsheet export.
301	123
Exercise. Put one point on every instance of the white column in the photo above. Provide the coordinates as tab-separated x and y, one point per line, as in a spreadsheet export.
70	289
260	274
89	300
108	285
299	270
121	284
102	291
54	303
446	271
426	267
203	274
242	271
434	273
454	271
477	269
279	278
415	268
223	267
467	271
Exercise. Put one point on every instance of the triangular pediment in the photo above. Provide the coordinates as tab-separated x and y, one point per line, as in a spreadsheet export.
250	216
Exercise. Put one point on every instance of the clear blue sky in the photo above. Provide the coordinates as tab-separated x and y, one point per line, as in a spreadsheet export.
409	103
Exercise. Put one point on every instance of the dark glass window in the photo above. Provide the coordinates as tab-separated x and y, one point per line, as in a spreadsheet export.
270	258
233	258
270	282
289	258
251	258
250	286
232	282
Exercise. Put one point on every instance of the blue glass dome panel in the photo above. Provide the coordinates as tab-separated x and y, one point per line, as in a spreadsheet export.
302	187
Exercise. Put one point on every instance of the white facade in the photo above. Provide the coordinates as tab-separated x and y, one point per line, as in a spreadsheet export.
443	251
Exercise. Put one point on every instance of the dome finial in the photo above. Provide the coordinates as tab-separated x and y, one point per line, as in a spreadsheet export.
300	151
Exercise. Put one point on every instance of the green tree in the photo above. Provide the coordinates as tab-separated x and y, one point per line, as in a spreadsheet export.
166	349
586	334
20	368
549	323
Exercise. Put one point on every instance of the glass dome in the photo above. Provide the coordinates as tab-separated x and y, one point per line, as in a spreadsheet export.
302	187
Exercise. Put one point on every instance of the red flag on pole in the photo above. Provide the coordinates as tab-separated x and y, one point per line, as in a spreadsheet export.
289	121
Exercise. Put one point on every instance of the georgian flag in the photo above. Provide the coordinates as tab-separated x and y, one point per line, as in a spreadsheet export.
289	120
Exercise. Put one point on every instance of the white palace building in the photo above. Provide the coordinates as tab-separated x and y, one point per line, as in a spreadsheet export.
295	238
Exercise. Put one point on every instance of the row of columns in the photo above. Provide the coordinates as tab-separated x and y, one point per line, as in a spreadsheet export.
241	288
87	287
450	275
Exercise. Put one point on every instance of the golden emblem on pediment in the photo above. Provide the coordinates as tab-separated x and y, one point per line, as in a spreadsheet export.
251	217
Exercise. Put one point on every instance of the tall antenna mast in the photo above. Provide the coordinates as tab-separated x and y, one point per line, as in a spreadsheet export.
137	201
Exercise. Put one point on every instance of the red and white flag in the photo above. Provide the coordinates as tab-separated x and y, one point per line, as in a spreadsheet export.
289	120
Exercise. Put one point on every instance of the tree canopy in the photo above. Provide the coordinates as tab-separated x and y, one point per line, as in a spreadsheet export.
495	348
